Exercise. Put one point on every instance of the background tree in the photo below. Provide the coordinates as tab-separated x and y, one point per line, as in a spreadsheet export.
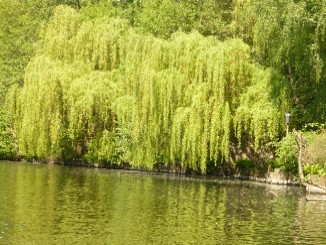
289	36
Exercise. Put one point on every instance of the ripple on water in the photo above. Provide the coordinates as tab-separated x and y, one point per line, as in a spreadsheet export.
58	205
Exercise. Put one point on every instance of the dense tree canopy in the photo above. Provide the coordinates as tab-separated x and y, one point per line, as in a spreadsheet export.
290	36
98	88
21	26
157	81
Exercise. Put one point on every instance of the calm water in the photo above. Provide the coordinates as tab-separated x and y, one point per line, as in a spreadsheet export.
42	204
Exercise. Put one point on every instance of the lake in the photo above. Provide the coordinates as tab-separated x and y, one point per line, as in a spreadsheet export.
50	204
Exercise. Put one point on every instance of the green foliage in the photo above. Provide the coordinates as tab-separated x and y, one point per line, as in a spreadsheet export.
109	94
315	169
287	154
311	169
290	37
260	113
94	87
109	147
287	36
7	146
322	170
21	25
17	33
163	18
246	164
315	152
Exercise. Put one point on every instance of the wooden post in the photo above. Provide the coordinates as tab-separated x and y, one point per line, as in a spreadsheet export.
287	129
300	142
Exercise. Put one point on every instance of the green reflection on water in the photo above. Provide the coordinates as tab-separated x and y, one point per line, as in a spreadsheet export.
46	204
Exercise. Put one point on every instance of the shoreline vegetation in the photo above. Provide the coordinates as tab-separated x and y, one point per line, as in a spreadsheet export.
143	84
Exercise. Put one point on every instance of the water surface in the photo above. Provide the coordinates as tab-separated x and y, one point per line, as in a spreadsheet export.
48	204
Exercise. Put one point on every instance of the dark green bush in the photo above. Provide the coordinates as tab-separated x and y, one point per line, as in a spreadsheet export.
245	163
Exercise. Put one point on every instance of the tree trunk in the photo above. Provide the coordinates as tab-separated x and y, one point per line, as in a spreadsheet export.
300	142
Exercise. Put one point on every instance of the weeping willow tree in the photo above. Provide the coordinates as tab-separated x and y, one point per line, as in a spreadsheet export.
97	89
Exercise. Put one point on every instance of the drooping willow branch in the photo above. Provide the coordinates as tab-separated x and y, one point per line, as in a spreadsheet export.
100	90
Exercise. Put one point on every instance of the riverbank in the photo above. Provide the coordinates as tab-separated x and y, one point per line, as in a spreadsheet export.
273	177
